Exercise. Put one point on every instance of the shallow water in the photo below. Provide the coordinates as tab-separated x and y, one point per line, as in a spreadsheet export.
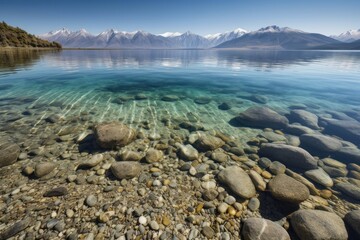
71	82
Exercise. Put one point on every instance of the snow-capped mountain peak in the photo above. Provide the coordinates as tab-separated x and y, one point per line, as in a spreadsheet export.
274	29
348	36
240	30
63	31
170	34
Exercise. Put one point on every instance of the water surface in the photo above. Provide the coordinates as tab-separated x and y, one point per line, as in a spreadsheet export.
104	83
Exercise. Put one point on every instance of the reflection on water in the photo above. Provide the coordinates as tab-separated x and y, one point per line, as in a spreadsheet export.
14	59
183	58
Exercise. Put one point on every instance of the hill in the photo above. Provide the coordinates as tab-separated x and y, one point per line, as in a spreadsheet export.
16	37
276	38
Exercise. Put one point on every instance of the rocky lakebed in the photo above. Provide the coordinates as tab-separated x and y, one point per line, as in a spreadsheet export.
297	176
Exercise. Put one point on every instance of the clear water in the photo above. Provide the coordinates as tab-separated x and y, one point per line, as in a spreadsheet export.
71	82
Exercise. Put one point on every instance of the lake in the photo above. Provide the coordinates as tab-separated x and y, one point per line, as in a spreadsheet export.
52	101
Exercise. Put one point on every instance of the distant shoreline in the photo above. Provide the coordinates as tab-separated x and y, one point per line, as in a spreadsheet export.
176	49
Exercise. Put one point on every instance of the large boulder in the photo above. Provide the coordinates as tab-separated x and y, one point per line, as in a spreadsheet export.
298	129
352	219
347	129
318	225
320	176
238	181
111	135
289	155
349	190
305	118
9	152
287	189
263	229
320	142
262	117
348	155
125	170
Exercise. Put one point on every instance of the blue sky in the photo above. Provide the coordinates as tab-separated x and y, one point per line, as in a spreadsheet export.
199	16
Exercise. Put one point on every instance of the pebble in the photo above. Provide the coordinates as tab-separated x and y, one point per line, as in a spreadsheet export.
142	220
192	171
230	200
154	225
222	208
69	213
166	221
254	204
91	200
71	178
208	232
156	183
208	185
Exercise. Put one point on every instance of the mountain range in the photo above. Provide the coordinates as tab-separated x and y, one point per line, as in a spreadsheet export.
276	38
271	37
138	39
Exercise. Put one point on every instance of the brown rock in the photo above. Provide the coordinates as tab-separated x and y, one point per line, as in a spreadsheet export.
111	135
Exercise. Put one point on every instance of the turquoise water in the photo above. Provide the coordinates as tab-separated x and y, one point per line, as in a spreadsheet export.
102	84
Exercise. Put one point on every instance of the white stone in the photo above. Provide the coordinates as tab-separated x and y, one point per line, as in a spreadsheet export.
142	220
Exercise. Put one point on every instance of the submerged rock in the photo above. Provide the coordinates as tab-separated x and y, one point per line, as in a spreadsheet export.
9	152
202	100
348	130
224	106
320	176
320	142
219	157
318	225
298	129
128	155
238	181
263	229
15	228
153	155
258	98
170	98
335	172
305	118
140	96
348	155
258	181
188	152
287	189
207	142
42	169
289	155
125	170
262	117
349	190
92	162
111	135
313	190
352	219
